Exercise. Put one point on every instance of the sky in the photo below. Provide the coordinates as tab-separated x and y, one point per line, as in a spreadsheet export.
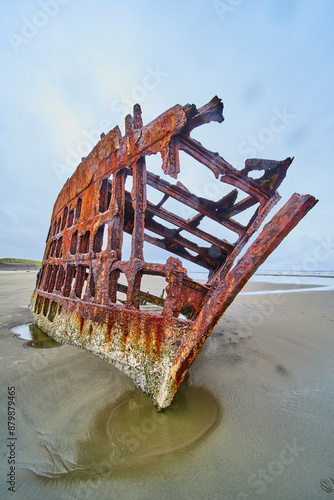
72	69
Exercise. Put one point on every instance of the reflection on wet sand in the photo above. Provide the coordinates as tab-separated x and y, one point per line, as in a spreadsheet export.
129	434
35	336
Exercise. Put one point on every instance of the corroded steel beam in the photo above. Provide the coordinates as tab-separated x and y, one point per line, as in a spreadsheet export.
89	295
221	297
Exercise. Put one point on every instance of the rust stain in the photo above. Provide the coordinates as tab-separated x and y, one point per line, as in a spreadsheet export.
107	346
109	328
84	277
82	324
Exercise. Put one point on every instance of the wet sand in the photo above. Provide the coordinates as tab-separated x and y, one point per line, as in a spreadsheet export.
254	419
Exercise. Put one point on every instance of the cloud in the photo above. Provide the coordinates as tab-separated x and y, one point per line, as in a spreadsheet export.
65	80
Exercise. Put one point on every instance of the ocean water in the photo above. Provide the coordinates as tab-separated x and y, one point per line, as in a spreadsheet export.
319	279
298	278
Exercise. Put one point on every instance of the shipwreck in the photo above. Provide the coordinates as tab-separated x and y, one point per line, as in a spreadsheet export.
78	293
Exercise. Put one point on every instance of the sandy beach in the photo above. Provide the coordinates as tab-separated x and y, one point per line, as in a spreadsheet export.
254	418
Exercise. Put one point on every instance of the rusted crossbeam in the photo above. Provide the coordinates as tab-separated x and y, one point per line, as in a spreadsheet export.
188	226
202	205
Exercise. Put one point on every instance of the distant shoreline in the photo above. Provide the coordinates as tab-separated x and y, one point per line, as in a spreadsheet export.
18	266
14	264
287	273
26	265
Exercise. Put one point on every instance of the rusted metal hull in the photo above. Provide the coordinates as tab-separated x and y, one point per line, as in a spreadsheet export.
77	295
